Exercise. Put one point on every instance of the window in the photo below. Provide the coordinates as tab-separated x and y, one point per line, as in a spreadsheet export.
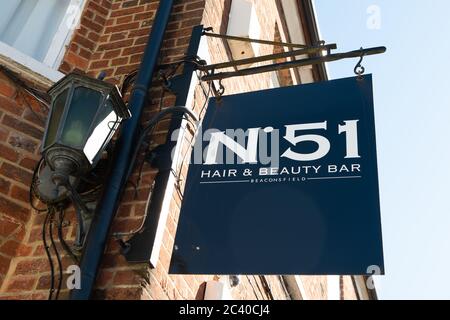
35	32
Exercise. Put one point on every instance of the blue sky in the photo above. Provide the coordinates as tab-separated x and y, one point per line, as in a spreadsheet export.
412	109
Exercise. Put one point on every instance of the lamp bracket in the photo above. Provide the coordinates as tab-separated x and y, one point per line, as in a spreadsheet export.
46	189
83	212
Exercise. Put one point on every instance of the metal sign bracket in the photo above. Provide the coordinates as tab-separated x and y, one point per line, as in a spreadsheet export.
318	54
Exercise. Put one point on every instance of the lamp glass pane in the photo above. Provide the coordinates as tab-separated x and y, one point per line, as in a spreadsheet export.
105	124
53	124
80	116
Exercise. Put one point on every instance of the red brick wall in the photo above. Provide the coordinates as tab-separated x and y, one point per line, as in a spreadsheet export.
20	135
85	38
112	38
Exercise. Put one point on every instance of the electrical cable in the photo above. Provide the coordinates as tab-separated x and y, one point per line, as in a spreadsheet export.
58	257
194	136
141	166
144	218
150	129
21	84
129	79
42	101
156	119
49	257
147	129
94	190
37	115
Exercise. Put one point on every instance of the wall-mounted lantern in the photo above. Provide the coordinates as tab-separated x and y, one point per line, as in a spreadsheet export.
85	113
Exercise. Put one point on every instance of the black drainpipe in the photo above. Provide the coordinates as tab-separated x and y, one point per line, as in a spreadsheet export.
114	186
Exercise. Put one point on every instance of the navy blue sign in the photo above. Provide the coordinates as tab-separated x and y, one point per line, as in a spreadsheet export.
284	181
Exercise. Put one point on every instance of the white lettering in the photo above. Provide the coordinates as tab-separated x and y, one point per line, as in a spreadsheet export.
322	142
248	155
351	133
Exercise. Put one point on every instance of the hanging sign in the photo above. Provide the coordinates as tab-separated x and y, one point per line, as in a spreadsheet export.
284	181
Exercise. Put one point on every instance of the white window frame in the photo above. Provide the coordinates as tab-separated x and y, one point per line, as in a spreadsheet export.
49	68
